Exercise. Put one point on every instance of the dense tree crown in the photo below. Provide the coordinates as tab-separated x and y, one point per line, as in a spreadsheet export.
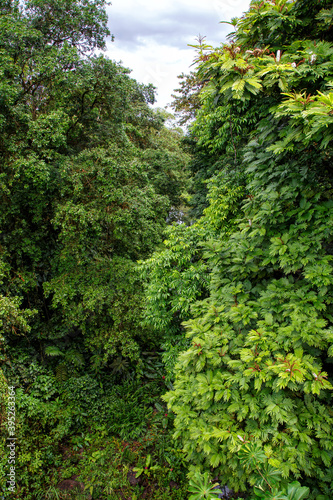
82	196
89	176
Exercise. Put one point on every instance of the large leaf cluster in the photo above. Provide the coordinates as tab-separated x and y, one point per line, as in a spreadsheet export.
259	367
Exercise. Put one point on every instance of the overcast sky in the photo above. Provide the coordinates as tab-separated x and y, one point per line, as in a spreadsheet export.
151	36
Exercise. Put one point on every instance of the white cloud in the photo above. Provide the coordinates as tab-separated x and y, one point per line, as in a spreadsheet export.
151	37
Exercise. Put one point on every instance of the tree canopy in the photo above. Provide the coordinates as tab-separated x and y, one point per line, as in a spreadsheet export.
111	293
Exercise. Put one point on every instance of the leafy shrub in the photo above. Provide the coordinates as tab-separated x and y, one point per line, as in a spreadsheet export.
125	408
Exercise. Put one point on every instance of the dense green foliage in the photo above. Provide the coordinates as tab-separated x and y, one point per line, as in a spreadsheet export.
231	313
89	176
259	365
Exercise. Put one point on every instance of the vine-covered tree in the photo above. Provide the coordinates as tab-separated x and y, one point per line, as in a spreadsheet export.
259	365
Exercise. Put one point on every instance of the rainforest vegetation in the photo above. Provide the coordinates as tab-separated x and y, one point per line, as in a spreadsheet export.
166	298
